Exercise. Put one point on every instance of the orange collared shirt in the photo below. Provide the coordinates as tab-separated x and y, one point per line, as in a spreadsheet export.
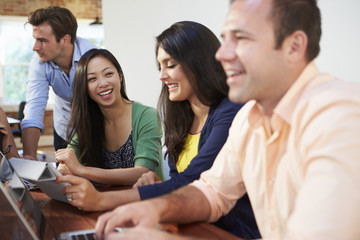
300	168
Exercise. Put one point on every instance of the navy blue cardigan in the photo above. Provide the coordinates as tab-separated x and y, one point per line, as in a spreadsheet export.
240	220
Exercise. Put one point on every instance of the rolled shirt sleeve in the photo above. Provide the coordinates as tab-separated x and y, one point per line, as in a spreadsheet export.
37	93
302	180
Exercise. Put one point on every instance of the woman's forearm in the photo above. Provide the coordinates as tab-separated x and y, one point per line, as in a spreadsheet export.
112	199
123	176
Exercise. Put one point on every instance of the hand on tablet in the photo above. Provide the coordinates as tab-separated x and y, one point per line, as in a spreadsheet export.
83	194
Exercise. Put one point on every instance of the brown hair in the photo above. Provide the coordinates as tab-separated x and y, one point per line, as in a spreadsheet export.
61	20
292	15
289	16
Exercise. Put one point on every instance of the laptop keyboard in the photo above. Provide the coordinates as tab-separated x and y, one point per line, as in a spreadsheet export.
86	236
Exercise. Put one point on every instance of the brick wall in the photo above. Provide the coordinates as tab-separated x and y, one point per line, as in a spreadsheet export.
87	9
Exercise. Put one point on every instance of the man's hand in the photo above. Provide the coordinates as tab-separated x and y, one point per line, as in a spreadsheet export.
29	157
142	214
144	234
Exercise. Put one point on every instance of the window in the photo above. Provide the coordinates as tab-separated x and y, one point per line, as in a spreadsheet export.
16	44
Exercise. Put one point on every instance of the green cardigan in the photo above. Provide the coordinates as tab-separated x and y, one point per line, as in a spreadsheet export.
146	139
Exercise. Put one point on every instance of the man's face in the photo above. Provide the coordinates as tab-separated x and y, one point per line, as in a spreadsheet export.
45	43
248	55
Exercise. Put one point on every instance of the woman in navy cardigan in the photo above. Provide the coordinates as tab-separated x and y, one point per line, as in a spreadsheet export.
191	47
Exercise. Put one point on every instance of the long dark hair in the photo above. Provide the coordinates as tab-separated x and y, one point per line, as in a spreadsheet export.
86	120
193	46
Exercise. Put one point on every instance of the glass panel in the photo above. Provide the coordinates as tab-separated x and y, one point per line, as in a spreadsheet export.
15	83
18	42
18	49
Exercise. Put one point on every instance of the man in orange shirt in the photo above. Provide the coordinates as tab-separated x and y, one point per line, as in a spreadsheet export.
294	146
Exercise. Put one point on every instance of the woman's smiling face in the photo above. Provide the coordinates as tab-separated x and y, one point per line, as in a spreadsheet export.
103	81
172	75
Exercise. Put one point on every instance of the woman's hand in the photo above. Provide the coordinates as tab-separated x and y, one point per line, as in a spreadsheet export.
63	169
5	137
147	179
68	157
82	193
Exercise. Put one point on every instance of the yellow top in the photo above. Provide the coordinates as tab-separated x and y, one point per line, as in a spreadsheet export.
189	152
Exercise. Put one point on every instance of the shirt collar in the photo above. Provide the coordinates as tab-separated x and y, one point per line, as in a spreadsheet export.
288	102
76	56
285	108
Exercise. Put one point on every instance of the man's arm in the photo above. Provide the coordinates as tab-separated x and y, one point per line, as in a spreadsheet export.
37	93
30	138
186	205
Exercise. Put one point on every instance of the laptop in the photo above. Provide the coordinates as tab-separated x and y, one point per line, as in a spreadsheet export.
20	215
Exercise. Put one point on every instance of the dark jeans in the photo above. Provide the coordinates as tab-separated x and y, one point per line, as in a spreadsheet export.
58	143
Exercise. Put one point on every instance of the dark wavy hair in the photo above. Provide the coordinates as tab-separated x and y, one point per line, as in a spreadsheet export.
61	20
86	119
193	46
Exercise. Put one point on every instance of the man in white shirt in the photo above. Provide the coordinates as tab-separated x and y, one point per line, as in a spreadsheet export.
57	52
